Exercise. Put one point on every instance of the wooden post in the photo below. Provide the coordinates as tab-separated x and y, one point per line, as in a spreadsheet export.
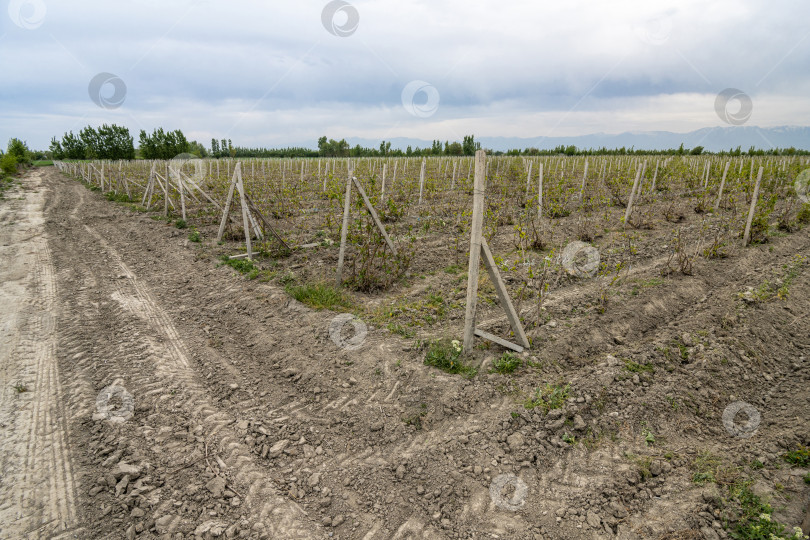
422	180
722	184
747	235
166	192
632	195
182	194
479	188
655	177
528	181
584	177
382	187
540	193
242	200
344	231
453	183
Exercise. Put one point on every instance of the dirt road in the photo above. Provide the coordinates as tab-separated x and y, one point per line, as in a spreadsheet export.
146	392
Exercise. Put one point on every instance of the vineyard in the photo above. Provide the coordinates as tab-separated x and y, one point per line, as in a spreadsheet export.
664	215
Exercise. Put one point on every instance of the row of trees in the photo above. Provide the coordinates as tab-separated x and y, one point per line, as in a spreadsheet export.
105	142
162	144
333	148
115	142
680	151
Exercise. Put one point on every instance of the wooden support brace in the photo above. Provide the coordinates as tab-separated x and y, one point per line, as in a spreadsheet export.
503	294
374	215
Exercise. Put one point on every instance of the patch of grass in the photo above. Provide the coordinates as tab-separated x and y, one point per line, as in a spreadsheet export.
453	269
752	517
705	468
806	478
20	388
243	266
549	398
194	236
799	457
43	163
181	224
506	364
403	331
634	367
320	296
445	354
118	197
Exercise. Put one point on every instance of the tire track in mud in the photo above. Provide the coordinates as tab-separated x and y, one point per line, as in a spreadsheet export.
38	486
164	364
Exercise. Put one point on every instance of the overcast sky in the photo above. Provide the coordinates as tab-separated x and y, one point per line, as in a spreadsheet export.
286	72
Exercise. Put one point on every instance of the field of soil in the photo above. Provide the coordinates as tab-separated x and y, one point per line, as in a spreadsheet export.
149	391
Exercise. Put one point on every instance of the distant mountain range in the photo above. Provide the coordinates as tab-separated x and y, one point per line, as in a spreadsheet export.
712	139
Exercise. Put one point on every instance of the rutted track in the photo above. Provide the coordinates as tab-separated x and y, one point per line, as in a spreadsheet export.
116	333
37	486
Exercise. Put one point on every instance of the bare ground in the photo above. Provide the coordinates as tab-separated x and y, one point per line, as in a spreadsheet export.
248	421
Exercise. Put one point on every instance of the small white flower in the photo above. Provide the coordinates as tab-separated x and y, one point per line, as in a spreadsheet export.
456	345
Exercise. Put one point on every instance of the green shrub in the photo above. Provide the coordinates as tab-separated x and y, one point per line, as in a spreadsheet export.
180	224
194	236
8	164
804	214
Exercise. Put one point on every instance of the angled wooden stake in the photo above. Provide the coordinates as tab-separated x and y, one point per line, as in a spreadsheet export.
374	214
503	295
227	208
